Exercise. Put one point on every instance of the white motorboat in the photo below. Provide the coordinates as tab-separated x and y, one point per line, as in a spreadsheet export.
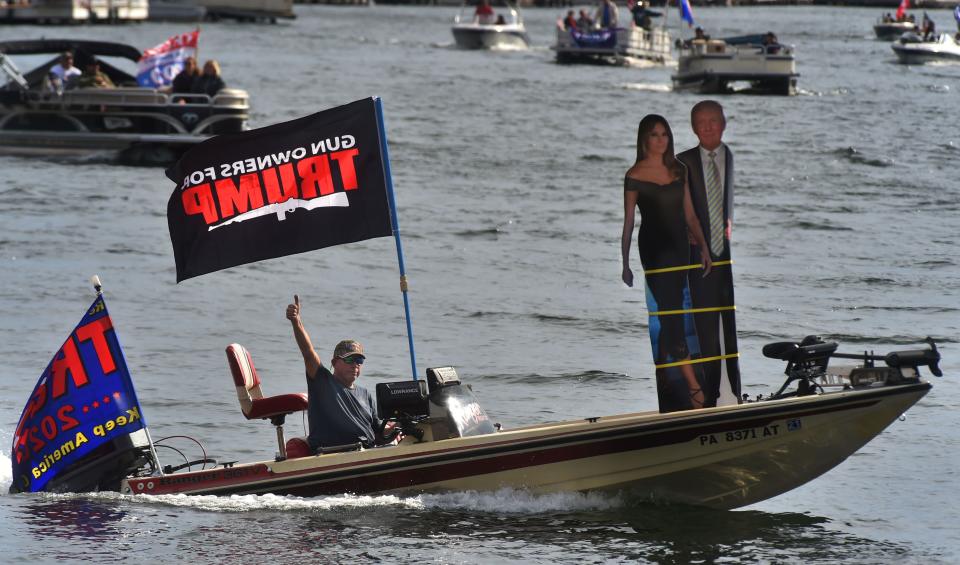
502	28
893	30
143	125
716	66
614	45
912	49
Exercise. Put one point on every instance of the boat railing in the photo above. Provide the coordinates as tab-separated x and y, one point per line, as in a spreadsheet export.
138	97
720	47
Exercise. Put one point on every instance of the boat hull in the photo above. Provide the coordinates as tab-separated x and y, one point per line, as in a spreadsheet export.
892	30
474	36
724	457
918	54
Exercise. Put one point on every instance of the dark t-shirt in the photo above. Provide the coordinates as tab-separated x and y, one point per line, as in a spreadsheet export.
339	415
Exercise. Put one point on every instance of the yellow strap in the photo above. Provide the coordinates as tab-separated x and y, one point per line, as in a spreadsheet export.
694	361
692	311
684	268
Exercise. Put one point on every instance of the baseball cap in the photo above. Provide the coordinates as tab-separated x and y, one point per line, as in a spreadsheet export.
348	347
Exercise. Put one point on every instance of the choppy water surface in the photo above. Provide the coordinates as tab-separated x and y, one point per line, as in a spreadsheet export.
509	172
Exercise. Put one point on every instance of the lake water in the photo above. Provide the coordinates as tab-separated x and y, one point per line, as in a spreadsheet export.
508	171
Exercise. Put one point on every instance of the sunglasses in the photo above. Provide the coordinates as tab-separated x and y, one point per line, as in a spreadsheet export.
353	359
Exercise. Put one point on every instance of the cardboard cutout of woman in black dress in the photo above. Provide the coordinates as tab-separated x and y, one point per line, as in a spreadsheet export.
656	186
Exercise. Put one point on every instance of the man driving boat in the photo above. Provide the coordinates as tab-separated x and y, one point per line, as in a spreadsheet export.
340	412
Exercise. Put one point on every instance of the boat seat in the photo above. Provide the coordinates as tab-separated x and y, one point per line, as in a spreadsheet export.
253	403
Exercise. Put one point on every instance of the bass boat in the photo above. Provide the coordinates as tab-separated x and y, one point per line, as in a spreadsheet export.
442	439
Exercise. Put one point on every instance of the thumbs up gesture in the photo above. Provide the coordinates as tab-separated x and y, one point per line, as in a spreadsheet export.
293	310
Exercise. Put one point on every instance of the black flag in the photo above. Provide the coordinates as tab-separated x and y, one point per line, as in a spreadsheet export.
292	187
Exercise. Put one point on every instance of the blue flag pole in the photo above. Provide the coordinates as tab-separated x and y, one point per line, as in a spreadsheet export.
395	224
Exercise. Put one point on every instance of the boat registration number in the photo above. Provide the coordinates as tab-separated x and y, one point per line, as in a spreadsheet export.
745	434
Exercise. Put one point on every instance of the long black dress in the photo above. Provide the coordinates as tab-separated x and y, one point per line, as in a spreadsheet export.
663	243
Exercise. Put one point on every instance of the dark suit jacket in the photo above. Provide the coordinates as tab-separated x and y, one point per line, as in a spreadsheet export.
698	191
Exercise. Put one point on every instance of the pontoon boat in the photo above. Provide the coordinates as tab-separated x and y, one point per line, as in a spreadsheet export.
715	66
144	125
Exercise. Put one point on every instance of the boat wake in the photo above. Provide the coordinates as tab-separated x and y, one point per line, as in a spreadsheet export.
510	501
646	87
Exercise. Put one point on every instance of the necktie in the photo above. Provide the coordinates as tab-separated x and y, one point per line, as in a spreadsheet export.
715	205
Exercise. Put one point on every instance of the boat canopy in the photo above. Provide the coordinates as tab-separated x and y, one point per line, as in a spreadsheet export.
83	51
755	39
93	48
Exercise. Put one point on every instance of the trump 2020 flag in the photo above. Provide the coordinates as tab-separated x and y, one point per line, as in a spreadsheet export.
296	186
686	12
159	65
84	399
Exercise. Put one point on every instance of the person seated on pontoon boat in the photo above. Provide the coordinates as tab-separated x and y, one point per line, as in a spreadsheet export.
64	74
183	82
501	21
607	14
887	18
569	22
93	77
584	22
484	14
770	43
209	82
339	411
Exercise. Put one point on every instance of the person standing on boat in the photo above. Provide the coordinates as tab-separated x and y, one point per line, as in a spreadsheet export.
710	175
607	14
656	185
340	411
484	13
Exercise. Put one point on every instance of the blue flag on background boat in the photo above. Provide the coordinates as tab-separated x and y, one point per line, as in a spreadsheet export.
686	13
83	400
161	64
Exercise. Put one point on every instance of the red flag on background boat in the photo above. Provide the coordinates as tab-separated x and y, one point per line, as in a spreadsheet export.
291	187
902	9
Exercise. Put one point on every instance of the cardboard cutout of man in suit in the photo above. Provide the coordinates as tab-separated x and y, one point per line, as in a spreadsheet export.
711	188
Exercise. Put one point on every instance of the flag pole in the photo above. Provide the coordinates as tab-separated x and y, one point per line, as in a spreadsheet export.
98	287
394	223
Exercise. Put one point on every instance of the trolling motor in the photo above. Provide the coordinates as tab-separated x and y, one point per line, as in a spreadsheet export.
807	361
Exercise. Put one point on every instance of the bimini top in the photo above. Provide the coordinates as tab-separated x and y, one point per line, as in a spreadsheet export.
77	46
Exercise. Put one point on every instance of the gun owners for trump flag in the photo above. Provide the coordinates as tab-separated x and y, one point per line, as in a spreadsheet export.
292	187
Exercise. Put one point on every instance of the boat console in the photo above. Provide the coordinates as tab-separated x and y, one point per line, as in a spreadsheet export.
449	410
807	364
